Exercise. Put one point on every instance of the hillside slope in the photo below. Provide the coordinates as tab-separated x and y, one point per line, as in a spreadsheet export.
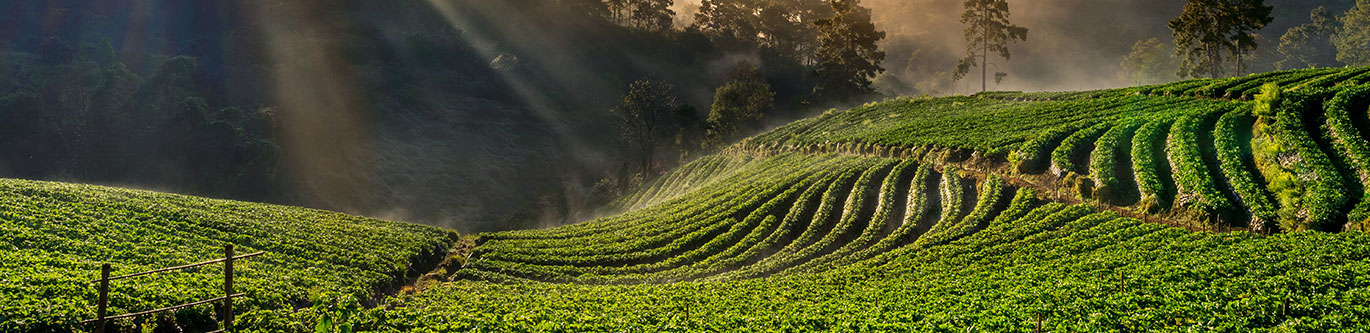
55	236
980	212
1197	205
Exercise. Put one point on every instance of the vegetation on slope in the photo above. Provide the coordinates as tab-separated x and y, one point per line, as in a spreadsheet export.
55	236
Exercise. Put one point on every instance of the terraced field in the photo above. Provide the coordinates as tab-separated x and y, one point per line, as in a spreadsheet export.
54	237
1226	205
1192	205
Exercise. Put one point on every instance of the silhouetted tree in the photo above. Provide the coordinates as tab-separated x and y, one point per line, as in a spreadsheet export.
1309	44
1353	39
644	118
1206	28
848	57
739	105
652	15
987	29
783	25
1247	17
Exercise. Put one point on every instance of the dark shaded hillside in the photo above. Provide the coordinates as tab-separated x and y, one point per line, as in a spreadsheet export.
379	108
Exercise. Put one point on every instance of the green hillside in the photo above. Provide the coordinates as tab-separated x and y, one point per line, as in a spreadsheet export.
54	236
1231	205
1202	204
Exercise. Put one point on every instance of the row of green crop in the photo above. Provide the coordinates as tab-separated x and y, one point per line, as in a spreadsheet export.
1344	134
655	225
1197	188
1231	143
824	217
1328	81
1109	153
920	212
852	213
1246	87
54	237
1063	157
682	180
1151	172
894	184
706	235
640	218
1306	181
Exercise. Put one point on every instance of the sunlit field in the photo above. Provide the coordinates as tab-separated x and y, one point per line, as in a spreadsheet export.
684	166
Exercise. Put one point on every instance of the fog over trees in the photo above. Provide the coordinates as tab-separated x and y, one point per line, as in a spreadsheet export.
487	115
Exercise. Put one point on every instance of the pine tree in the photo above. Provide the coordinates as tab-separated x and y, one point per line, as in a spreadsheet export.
1353	39
1206	28
848	57
987	30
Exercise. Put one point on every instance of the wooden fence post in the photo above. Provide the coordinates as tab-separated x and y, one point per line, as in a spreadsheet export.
100	307
228	286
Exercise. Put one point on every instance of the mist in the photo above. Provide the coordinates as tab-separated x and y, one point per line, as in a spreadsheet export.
474	115
1072	44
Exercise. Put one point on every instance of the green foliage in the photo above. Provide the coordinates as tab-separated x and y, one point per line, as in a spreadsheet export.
1231	143
1353	38
1196	187
848	57
57	235
1109	154
1347	138
739	105
1206	28
1064	157
1148	164
1309	44
987	30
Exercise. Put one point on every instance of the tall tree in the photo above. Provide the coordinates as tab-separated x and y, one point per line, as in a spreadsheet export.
1206	28
1309	44
653	15
1150	62
644	118
987	30
1353	38
848	57
739	104
1246	18
786	26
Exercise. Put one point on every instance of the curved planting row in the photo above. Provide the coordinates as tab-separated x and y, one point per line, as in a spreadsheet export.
1033	155
1074	148
685	179
1347	76
714	241
854	211
894	185
1152	173
825	216
1310	190
1109	163
650	255
656	224
1232	147
1350	140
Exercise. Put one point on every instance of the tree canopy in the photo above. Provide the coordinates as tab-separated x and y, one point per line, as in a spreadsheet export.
987	30
1207	28
1309	44
848	57
1353	39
